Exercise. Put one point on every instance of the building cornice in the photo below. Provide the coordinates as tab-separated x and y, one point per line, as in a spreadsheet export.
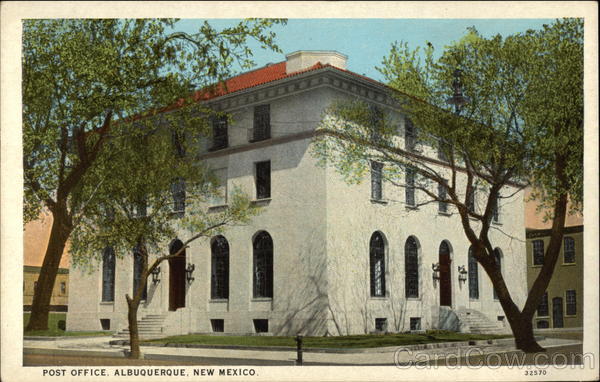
531	233
324	77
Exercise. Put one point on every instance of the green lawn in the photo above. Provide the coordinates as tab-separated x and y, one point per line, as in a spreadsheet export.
53	330
358	341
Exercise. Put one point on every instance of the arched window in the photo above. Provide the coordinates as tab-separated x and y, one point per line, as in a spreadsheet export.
473	276
377	265
411	268
263	265
219	278
108	274
138	264
498	258
569	252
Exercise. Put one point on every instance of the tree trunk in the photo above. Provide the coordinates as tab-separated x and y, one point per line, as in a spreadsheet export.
40	307
522	328
134	339
520	322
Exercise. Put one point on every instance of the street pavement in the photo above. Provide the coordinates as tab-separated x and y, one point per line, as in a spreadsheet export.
74	351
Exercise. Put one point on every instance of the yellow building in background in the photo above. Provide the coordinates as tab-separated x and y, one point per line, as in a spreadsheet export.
35	241
562	305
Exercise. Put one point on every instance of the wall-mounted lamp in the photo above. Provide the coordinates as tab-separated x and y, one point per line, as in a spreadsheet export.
462	273
156	275
188	272
436	270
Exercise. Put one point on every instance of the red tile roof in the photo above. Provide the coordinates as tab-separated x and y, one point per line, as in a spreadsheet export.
260	76
251	79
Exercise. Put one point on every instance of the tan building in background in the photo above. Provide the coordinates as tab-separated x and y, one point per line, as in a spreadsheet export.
562	305
35	241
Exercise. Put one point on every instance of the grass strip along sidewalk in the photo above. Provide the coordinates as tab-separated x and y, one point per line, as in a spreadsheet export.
56	330
348	342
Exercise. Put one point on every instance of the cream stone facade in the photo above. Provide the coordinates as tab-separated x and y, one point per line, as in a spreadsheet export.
320	228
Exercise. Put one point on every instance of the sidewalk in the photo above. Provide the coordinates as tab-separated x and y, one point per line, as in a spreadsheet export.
100	347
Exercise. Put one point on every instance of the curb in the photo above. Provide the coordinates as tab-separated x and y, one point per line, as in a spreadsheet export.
75	353
59	338
387	349
165	357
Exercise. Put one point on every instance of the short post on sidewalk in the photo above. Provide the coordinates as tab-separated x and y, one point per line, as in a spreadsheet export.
299	349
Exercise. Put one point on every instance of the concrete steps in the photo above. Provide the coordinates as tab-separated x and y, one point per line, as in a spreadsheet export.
150	326
478	323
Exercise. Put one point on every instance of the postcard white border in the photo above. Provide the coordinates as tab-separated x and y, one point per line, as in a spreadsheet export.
11	170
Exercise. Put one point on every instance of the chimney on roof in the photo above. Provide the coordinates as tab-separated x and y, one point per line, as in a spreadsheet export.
304	59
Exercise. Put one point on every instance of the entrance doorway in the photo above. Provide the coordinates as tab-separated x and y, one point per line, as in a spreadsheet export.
176	276
557	312
445	275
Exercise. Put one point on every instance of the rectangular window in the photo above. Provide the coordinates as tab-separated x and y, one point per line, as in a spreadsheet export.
376	181
542	310
262	123
63	288
381	324
571	300
569	250
261	326
496	213
470	202
443	149
219	198
409	188
105	323
442	195
178	192
263	180
218	326
538	252
410	136
141	208
178	140
415	323
219	133
376	116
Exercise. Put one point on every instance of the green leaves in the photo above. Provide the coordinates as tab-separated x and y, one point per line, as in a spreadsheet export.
96	133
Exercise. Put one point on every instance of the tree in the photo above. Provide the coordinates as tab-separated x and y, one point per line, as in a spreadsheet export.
158	190
79	77
507	136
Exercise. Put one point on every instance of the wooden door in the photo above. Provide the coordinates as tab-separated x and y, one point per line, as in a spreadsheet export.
177	278
445	276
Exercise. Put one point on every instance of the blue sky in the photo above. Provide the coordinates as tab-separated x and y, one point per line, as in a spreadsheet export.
367	41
